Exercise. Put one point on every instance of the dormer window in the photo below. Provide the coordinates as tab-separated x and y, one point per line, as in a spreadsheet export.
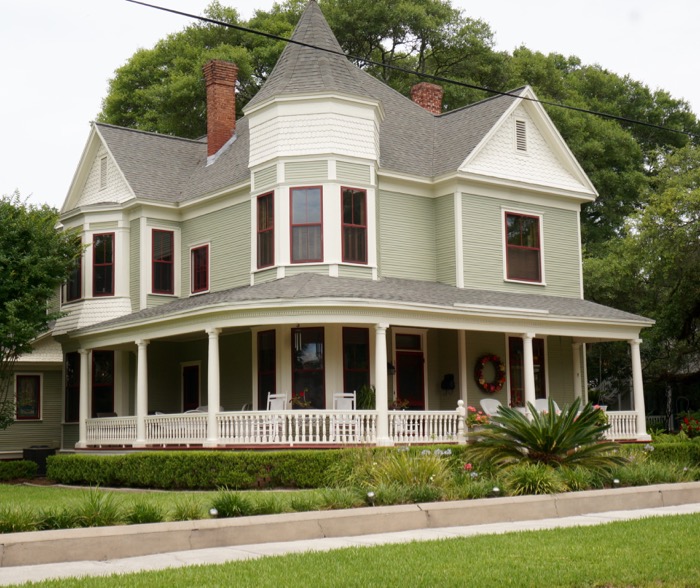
521	136
306	225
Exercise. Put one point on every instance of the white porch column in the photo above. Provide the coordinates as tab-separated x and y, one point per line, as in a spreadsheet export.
213	388
462	364
83	407
578	390
638	391
528	368
141	392
381	384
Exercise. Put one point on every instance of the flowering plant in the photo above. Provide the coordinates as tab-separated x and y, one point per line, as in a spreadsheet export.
690	424
476	417
399	404
299	399
601	415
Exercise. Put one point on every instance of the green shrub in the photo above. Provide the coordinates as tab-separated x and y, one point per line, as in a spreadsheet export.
339	498
17	470
233	504
140	512
388	493
268	503
172	470
98	509
17	519
426	493
187	508
304	503
685	453
577	479
473	485
533	478
645	471
57	518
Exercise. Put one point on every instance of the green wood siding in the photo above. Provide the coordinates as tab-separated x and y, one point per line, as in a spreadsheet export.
560	370
101	226
162	224
351	271
356	173
265	177
293	270
47	431
407	236
228	233
445	240
71	435
302	171
478	344
236	354
483	247
265	276
443	359
153	300
134	264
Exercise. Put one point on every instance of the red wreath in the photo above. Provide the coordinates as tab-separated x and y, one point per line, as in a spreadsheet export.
497	384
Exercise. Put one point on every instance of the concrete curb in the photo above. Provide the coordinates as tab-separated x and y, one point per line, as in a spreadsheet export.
107	543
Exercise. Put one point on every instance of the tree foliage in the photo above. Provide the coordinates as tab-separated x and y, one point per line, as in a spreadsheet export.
35	259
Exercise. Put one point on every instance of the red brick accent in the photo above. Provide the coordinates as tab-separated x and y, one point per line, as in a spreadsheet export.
221	78
429	96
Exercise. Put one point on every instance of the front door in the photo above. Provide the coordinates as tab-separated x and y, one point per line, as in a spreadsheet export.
516	363
410	365
190	387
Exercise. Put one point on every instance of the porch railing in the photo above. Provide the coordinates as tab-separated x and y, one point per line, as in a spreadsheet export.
424	426
623	425
111	431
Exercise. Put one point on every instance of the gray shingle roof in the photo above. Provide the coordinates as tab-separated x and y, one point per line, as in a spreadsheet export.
412	140
308	286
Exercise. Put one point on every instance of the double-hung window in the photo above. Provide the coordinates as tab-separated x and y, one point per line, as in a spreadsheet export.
354	225
266	230
74	284
103	264
523	247
28	397
306	225
163	262
199	265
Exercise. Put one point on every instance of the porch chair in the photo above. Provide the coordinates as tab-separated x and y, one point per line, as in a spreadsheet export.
490	406
272	426
345	427
542	405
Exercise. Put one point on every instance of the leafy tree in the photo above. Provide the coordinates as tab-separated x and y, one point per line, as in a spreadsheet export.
35	259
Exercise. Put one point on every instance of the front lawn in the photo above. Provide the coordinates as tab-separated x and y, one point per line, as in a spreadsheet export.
643	553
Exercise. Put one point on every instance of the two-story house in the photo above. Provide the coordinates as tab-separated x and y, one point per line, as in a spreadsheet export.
339	234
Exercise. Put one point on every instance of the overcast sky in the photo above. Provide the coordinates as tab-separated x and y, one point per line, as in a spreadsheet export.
57	57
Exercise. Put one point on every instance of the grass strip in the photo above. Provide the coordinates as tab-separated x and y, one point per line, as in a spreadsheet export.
642	553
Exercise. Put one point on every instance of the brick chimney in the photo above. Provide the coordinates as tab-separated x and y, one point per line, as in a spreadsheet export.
429	96
220	77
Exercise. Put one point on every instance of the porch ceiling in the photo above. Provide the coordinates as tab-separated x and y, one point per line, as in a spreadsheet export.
388	299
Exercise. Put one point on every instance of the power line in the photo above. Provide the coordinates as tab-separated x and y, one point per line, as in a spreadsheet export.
431	77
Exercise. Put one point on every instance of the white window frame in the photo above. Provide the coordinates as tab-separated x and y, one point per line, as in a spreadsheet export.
41	397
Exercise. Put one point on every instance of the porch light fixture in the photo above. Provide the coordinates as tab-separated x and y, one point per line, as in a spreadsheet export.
297	340
448	383
390	368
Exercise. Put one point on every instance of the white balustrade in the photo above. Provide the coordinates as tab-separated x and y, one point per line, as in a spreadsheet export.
176	429
623	425
424	426
111	431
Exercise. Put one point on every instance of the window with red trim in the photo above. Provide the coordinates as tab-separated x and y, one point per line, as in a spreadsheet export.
74	284
266	230
199	266
354	225
306	225
103	264
523	251
28	404
163	261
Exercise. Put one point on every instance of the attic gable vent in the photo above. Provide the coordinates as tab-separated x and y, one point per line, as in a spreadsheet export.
521	135
103	173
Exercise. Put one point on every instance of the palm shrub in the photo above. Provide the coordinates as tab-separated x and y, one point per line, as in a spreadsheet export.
559	439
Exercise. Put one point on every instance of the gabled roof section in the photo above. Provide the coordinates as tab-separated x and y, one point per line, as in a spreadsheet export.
304	70
155	166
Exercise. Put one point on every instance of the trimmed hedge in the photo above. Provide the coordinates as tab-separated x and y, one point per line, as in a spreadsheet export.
207	470
17	470
201	470
687	452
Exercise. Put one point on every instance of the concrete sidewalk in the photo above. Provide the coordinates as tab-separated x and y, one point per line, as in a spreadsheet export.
21	574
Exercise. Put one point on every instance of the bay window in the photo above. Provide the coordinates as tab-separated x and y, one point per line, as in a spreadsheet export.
103	264
266	231
306	225
354	225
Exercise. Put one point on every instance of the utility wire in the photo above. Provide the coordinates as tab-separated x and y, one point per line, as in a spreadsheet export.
418	74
